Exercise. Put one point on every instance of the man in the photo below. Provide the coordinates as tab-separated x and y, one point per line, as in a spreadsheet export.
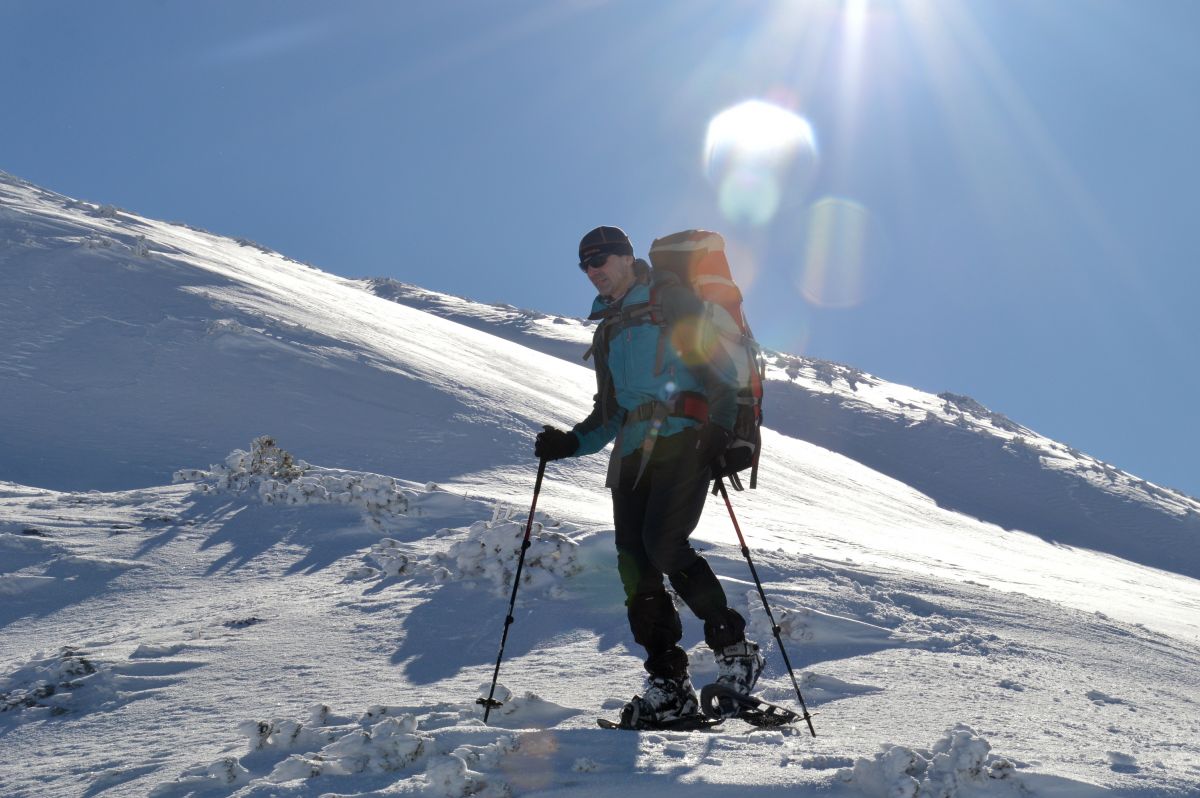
668	397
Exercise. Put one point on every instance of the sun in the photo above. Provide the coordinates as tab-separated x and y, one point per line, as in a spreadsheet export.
750	151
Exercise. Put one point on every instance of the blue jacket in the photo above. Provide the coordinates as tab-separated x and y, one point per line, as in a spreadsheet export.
628	372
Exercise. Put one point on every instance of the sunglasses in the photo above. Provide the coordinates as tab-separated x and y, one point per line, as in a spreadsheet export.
594	262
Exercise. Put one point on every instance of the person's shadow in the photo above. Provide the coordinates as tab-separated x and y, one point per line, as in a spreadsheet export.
460	626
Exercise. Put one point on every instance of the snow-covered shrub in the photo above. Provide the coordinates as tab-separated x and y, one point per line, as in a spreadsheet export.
266	458
385	747
375	743
484	551
381	740
449	776
244	470
384	741
48	681
274	476
224	772
959	764
492	548
386	554
285	735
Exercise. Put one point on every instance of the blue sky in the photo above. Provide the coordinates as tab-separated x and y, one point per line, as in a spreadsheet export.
998	198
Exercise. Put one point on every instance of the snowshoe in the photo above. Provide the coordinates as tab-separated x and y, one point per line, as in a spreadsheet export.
715	698
663	702
695	722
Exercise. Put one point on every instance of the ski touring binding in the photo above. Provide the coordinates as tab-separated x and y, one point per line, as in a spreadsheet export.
751	709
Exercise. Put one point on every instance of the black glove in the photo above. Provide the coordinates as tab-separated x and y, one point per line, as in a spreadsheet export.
711	442
554	444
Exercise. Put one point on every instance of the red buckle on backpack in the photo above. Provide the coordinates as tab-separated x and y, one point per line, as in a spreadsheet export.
693	406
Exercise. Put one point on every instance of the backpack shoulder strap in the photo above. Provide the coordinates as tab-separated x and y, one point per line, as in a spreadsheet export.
613	320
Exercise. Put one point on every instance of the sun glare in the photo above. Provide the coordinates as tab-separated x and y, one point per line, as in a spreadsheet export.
751	155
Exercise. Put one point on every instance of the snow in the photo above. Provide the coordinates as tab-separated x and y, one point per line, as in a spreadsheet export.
259	527
959	763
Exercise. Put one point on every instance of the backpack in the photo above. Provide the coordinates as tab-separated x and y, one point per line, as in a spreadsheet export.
697	259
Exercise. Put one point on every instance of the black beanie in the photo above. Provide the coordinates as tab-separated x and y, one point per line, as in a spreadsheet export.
604	240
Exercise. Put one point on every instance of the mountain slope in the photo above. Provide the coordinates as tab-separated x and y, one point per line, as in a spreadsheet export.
327	633
137	347
949	447
133	346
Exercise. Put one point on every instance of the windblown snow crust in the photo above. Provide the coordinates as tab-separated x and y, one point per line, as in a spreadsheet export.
270	627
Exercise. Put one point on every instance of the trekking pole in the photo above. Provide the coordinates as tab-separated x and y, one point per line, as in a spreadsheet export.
767	607
488	703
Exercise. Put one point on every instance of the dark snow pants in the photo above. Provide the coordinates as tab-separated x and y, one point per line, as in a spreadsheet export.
653	521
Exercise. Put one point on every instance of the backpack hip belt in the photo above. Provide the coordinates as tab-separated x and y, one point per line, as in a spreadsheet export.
683	405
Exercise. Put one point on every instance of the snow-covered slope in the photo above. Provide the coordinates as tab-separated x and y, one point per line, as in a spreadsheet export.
324	630
131	346
129	342
327	635
949	447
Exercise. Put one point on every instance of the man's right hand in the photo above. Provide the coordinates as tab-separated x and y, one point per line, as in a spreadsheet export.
554	444
711	442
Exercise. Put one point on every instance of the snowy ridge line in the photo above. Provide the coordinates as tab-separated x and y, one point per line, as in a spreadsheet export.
181	316
240	316
92	237
874	396
561	336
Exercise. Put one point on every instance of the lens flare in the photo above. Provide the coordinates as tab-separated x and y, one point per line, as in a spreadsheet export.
753	152
743	263
834	269
695	343
749	195
531	766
